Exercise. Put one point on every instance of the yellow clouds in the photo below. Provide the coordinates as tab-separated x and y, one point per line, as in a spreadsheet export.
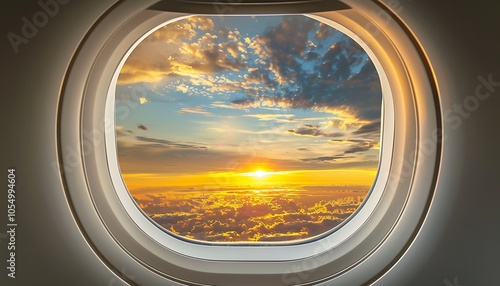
173	33
184	48
245	215
203	23
184	88
143	100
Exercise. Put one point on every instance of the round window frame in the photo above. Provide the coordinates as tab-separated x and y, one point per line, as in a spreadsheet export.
91	188
237	251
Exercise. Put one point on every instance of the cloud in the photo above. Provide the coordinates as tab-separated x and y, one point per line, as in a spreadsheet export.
205	57
143	100
282	46
181	30
324	32
310	56
360	147
260	76
288	66
248	210
314	131
146	155
335	92
203	23
183	88
122	133
142	127
324	159
232	216
195	110
221	104
170	144
356	146
349	140
290	71
183	48
270	116
368	129
340	80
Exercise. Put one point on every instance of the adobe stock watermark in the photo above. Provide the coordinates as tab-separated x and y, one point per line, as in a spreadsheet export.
453	117
385	19
301	271
32	25
462	111
225	6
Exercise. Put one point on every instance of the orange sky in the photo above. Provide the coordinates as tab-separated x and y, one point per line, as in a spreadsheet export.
225	179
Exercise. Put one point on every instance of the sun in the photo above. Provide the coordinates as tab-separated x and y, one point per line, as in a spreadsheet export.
259	174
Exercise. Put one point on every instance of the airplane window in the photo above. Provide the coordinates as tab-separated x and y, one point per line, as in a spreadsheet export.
248	129
268	149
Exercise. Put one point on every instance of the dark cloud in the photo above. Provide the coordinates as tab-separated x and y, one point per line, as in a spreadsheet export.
324	32
170	144
142	127
341	79
213	60
360	147
314	130
224	32
260	76
156	199
312	56
250	210
324	159
368	129
350	140
291	36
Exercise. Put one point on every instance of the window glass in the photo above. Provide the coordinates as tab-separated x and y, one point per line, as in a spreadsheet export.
248	128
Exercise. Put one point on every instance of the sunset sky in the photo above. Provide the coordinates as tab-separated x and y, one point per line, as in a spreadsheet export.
248	128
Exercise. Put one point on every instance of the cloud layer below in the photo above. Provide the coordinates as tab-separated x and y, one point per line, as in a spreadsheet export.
252	215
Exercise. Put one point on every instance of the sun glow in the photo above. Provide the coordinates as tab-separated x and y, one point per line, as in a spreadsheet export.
259	174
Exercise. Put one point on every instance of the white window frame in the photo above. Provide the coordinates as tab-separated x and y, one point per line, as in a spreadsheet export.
352	255
257	251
